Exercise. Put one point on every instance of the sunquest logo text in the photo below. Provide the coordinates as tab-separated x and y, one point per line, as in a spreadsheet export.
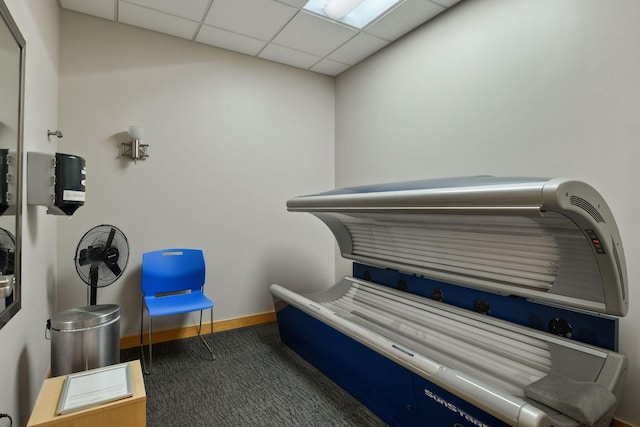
454	408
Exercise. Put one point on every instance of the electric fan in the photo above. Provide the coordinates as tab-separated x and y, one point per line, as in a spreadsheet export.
101	257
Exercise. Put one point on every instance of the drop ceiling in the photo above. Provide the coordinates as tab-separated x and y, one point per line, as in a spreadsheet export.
276	30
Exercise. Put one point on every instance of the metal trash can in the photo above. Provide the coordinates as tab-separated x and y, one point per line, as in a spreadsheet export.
84	338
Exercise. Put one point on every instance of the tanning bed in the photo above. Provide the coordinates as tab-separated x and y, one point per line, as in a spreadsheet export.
474	301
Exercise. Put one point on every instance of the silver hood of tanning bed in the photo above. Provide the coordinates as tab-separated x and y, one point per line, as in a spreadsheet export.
550	240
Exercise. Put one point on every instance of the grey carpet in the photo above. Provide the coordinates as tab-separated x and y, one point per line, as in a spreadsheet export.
255	381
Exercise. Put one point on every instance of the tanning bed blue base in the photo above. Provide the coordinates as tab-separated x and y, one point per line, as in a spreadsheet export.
395	394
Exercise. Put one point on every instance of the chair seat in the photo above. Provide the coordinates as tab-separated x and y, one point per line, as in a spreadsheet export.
177	304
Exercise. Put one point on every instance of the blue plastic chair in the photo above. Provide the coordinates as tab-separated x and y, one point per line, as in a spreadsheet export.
172	283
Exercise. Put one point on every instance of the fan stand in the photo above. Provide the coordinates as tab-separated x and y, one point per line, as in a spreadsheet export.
93	289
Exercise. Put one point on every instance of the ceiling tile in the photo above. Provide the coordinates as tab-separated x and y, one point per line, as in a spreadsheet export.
228	40
190	9
278	30
101	8
288	56
156	21
327	66
404	18
262	19
357	49
294	3
310	33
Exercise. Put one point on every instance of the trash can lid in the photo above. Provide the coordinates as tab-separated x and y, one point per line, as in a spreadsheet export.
85	317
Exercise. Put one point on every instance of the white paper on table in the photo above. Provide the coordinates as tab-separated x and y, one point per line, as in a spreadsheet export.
94	387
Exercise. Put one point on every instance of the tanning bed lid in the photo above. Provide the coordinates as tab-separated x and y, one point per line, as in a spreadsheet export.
551	240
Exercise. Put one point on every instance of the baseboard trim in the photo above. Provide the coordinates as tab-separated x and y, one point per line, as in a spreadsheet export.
192	330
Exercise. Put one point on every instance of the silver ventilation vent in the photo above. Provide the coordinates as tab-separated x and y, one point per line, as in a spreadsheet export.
588	207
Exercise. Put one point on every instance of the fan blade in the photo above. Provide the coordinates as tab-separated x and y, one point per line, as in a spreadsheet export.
114	269
112	233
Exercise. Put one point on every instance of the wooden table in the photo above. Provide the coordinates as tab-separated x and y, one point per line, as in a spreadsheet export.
129	412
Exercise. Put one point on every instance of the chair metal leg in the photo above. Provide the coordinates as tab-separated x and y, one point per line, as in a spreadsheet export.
213	356
144	365
210	348
150	343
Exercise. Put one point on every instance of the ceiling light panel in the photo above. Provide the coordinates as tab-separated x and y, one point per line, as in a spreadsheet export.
262	19
363	13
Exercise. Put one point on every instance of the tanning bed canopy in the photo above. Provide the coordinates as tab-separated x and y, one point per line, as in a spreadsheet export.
551	240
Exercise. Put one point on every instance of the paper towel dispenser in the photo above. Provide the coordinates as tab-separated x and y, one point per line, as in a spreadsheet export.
56	181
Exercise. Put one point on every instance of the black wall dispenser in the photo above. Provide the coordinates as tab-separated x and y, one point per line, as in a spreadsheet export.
56	181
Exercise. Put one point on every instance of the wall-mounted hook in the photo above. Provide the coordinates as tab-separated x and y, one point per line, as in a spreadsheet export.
55	133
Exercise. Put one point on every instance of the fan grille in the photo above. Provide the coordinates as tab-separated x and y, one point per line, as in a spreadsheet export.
102	255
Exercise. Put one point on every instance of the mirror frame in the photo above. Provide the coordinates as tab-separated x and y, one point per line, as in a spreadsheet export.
15	306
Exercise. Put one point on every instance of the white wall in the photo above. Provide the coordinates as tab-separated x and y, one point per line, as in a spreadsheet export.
231	139
508	88
24	356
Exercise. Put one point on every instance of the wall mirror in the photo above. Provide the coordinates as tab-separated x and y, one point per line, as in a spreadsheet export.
12	53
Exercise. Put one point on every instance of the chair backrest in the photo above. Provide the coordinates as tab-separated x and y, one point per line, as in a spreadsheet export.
172	270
